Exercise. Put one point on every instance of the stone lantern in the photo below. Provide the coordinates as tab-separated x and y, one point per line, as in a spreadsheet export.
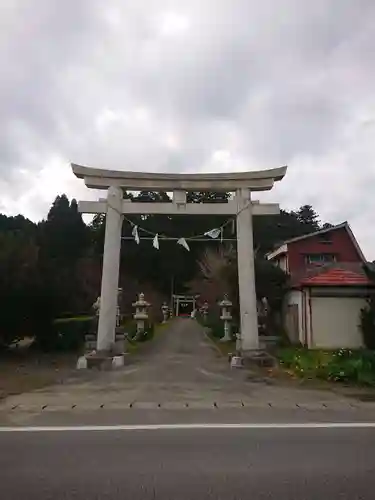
226	317
204	310
141	314
165	311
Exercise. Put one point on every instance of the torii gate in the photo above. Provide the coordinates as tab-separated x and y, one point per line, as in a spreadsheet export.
241	206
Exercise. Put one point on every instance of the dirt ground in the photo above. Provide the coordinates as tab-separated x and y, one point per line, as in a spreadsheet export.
24	370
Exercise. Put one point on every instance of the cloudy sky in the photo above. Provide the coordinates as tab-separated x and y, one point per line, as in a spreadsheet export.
191	86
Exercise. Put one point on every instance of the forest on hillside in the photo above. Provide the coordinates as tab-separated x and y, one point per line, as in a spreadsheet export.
52	269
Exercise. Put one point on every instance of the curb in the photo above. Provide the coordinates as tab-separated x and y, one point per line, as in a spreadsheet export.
77	407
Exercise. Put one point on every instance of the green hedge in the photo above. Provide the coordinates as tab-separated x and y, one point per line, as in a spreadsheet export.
65	334
68	334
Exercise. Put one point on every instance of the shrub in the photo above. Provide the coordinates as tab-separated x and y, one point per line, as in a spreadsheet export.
344	365
217	328
216	325
367	324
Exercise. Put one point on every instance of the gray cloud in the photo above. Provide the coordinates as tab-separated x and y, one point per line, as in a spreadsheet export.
191	86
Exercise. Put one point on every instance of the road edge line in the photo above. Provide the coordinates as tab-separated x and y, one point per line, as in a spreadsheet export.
156	427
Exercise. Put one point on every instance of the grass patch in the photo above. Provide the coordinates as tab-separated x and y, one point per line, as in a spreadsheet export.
152	330
132	347
215	327
343	365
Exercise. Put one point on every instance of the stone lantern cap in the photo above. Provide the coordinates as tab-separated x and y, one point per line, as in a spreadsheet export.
141	302
225	302
225	305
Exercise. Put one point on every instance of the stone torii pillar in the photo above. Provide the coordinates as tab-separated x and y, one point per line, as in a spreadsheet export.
246	271
242	206
110	271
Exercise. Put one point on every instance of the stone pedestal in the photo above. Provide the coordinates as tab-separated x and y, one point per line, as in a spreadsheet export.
258	358
165	312
204	311
227	331
104	359
118	347
226	317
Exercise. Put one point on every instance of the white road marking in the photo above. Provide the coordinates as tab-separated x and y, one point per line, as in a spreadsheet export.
157	427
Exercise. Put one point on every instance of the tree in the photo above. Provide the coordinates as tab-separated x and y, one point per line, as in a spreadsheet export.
64	240
271	230
65	236
306	215
18	223
270	282
18	284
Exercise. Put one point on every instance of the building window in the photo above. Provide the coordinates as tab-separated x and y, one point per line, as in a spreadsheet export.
320	258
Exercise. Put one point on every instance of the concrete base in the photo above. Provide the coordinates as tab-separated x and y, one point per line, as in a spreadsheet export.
82	363
236	362
118	361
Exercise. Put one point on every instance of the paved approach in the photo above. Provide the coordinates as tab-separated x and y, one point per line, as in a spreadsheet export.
179	464
179	370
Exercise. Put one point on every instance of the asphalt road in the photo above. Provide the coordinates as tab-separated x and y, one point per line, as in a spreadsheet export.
280	464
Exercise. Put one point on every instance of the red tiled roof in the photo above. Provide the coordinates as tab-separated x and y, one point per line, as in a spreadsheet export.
338	277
